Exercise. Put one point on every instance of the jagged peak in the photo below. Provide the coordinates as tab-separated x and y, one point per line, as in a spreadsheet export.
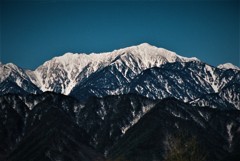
10	66
143	49
7	69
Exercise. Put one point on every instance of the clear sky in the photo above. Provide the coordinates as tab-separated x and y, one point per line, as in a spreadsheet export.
35	31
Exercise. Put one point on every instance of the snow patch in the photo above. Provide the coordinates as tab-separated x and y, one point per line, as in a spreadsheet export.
230	135
137	117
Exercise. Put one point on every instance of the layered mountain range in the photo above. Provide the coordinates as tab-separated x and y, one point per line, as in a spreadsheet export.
152	72
120	105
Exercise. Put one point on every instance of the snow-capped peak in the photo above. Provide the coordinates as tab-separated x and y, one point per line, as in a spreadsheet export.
12	76
150	50
228	66
6	70
144	50
67	70
146	46
12	66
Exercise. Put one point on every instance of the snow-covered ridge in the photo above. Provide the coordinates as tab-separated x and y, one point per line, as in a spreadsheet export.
69	69
144	50
10	68
228	66
14	79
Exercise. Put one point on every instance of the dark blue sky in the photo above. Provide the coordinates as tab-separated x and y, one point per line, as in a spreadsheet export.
33	32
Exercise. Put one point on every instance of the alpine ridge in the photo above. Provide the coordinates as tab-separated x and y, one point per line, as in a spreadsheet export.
144	69
70	68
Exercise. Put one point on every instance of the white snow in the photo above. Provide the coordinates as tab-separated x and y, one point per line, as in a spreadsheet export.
211	79
7	69
228	66
230	136
5	72
176	114
19	82
102	112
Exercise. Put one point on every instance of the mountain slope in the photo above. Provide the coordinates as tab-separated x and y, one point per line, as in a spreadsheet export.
12	125
107	119
215	131
183	80
52	126
179	80
55	137
42	127
227	98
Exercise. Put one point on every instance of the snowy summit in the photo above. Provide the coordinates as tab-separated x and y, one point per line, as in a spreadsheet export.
228	66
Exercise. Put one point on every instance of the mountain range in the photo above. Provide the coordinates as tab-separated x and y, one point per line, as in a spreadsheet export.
119	105
152	72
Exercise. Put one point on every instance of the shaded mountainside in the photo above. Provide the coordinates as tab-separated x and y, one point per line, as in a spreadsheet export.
13	114
107	119
217	132
55	137
52	126
47	132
